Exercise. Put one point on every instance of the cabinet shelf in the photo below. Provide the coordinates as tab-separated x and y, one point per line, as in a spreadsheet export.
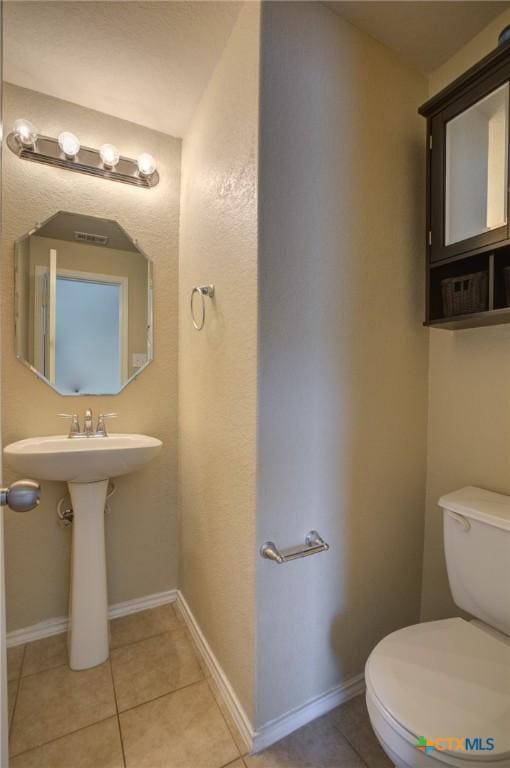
495	265
475	320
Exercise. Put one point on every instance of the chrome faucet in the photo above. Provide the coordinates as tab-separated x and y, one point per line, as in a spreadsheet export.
88	424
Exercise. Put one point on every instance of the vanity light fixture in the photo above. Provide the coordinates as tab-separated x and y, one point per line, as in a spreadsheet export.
109	154
66	152
25	133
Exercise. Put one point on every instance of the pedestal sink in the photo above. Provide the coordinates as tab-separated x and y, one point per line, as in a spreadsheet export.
86	464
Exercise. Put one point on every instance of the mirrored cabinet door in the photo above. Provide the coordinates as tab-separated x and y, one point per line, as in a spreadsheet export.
470	142
476	169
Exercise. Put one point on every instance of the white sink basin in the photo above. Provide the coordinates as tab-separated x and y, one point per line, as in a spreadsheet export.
81	460
86	464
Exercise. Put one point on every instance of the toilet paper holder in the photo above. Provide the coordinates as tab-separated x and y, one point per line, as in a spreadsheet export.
314	543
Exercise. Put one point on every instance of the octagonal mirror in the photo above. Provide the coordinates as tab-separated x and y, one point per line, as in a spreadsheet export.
83	304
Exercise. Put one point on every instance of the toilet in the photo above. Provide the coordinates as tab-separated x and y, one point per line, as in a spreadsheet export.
438	693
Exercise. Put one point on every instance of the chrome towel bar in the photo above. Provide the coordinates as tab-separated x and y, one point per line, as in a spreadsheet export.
314	543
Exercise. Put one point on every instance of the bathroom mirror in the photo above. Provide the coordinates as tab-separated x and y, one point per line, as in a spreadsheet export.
83	308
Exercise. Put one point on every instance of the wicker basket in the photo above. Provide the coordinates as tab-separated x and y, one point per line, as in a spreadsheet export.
465	294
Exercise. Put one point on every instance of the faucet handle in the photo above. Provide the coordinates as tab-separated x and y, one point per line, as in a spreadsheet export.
75	424
101	425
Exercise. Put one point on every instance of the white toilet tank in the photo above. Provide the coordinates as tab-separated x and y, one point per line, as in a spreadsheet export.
477	549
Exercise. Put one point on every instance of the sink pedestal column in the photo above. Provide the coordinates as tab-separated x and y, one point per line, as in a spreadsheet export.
88	641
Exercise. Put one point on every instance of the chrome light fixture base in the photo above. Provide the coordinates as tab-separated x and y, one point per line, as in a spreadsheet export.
47	151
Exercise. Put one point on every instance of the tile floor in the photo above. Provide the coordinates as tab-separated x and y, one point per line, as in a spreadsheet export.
153	705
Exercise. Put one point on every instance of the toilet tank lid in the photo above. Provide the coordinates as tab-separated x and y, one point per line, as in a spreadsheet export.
477	503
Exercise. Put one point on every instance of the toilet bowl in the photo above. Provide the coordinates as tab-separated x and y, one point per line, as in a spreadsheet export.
438	693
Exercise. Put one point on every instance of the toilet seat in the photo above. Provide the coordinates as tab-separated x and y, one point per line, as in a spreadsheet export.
441	679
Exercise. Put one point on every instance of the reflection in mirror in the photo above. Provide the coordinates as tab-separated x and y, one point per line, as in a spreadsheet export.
83	304
476	168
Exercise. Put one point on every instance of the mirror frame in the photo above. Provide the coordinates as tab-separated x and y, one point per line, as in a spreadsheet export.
150	312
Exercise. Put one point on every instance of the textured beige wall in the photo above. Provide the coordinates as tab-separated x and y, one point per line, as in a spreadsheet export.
217	367
141	532
342	352
469	402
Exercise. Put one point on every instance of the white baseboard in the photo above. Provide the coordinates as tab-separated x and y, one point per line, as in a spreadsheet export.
58	625
227	693
277	729
142	603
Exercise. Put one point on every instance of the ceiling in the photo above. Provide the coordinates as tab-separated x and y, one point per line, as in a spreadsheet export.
147	62
426	34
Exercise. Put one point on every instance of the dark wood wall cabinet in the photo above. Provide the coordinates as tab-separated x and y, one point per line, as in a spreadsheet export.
468	233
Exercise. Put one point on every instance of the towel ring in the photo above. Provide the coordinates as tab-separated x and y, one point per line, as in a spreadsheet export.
203	291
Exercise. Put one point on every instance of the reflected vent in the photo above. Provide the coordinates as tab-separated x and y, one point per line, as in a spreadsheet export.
88	237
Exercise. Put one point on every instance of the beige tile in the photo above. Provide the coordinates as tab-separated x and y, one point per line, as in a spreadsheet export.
48	653
12	690
317	745
368	748
350	715
182	730
14	661
97	746
138	626
353	722
58	701
232	727
153	667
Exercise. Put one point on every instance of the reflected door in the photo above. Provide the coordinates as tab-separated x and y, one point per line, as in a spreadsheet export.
88	329
80	329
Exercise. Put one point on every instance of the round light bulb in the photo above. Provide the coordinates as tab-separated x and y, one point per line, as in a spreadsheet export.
146	164
109	155
25	133
69	144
